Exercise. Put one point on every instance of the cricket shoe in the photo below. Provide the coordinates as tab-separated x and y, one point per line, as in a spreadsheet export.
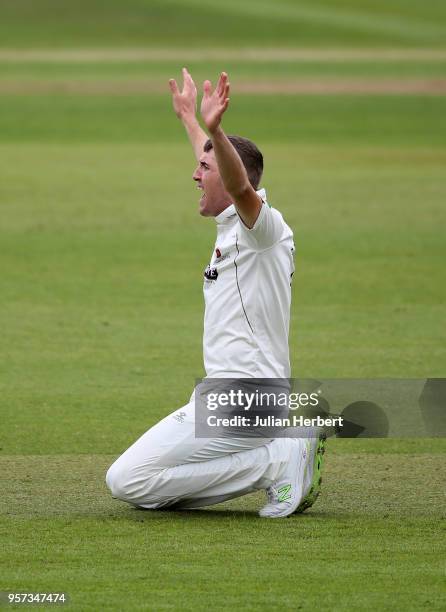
285	495
313	471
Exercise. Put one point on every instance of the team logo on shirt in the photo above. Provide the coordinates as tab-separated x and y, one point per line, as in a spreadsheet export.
217	253
211	274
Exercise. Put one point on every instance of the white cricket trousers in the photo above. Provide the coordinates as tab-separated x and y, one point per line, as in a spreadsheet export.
169	466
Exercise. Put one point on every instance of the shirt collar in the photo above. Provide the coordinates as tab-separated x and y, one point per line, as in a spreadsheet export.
228	213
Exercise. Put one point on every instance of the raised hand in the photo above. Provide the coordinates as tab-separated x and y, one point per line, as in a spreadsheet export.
184	102
214	103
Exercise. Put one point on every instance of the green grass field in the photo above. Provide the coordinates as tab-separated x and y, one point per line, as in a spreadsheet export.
50	23
102	253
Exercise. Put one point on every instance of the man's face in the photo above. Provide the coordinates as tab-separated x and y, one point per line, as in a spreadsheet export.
214	199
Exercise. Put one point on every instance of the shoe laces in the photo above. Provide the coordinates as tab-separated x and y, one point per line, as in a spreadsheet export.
272	494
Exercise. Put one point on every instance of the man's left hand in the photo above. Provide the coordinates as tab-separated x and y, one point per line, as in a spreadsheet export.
214	103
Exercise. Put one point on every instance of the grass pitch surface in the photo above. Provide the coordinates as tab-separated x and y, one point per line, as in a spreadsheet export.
201	23
372	541
101	309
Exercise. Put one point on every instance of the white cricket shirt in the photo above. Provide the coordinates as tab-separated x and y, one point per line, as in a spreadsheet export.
247	292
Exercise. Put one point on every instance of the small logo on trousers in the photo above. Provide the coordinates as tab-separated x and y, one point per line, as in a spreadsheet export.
180	417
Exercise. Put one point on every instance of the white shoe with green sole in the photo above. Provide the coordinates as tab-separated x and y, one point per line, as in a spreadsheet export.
313	472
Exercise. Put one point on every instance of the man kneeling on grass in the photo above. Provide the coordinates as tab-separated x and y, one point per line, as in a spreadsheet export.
247	309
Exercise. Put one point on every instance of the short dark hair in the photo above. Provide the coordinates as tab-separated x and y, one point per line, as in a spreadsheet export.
249	154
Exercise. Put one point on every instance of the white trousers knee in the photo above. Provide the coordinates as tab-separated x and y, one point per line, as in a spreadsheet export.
169	466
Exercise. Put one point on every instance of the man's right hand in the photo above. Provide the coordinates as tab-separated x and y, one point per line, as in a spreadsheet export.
185	107
184	102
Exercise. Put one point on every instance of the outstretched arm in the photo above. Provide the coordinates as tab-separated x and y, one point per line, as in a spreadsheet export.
232	170
185	106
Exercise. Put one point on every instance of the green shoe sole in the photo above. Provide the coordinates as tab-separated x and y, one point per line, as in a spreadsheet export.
316	481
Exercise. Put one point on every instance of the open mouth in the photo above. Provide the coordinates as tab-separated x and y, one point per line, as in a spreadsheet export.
203	196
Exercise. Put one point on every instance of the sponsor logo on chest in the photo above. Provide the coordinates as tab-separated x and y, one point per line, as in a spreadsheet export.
211	271
220	256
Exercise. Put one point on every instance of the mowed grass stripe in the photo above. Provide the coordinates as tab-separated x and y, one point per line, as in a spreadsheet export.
206	23
249	54
339	17
240	72
330	120
380	485
303	86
